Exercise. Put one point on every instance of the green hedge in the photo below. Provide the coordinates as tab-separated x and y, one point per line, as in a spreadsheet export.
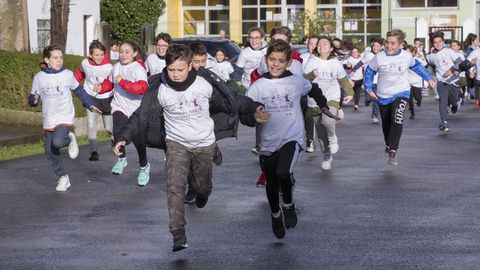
16	74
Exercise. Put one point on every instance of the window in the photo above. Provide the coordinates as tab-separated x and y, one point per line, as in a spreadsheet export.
426	3
410	3
43	34
205	17
442	3
325	2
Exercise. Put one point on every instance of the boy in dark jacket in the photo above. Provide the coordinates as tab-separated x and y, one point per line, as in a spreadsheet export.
178	117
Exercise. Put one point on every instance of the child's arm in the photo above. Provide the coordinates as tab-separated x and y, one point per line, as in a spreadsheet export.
106	86
86	99
79	74
136	88
421	71
34	97
347	87
317	95
368	81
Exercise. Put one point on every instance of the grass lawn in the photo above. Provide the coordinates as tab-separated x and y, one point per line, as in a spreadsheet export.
24	150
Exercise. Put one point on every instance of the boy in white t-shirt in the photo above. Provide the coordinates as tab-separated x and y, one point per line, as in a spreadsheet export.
53	86
281	138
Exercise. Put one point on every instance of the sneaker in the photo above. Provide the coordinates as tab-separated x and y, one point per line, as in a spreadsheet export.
190	196
278	227
454	109
144	175
444	127
217	155
375	120
93	156
355	107
310	147
412	116
256	150
121	163
419	103
262	180
333	144
179	242
290	214
392	157
63	183
387	151
73	146
437	97
327	162
200	202
340	114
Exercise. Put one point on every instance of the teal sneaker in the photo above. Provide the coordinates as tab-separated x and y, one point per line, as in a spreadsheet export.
144	175
121	163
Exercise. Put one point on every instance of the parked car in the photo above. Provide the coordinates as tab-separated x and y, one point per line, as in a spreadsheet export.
231	49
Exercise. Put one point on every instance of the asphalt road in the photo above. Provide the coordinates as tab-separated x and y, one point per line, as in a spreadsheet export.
363	214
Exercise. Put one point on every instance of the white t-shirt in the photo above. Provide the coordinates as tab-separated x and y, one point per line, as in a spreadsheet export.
461	55
154	64
95	74
413	78
392	72
187	116
475	54
124	101
114	55
249	60
281	98
55	92
358	74
443	61
367	57
327	74
223	70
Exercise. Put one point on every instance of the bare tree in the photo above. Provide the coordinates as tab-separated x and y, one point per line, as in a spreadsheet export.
59	12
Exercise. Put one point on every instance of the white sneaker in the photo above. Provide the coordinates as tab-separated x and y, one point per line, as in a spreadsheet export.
340	114
256	150
437	97
73	146
310	147
63	183
375	120
327	164
333	144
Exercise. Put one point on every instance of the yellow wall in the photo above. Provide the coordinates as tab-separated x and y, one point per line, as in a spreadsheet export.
235	20
175	26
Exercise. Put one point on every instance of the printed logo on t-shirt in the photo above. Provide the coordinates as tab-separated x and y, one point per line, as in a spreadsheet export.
188	107
278	102
93	79
394	70
52	91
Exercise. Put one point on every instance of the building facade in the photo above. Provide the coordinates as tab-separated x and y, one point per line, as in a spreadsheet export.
358	20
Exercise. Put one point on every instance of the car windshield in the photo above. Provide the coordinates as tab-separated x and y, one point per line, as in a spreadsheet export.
231	49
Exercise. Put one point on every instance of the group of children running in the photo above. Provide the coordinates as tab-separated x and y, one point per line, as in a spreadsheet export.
180	102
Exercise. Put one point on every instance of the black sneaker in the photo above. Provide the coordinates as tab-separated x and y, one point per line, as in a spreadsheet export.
190	196
93	156
412	116
278	227
200	202
454	109
392	157
291	218
444	127
419	103
179	242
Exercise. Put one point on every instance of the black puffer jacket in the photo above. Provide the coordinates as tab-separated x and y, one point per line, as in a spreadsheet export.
147	124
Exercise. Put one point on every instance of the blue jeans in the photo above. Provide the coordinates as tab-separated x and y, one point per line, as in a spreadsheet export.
54	141
368	100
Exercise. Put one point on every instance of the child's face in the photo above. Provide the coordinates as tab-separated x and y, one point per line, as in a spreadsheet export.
199	61
219	56
323	47
114	47
161	47
178	70
376	47
277	63
280	37
438	43
336	43
454	46
97	56
355	53
312	44
127	54
55	61
255	39
392	45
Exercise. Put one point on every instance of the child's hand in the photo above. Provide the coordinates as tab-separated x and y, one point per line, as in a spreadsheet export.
97	88
473	61
116	148
261	116
471	74
95	109
327	112
447	73
432	84
347	99
373	95
118	78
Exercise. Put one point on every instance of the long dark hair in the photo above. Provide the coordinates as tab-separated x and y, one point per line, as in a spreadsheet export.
469	40
332	53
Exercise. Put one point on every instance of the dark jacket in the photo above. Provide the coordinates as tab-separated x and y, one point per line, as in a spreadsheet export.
147	124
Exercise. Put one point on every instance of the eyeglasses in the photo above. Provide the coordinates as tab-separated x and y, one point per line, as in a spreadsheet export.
254	37
162	46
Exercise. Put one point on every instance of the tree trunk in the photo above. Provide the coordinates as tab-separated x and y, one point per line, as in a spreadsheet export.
59	12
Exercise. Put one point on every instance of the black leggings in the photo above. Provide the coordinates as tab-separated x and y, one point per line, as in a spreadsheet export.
415	93
119	120
357	90
278	169
392	121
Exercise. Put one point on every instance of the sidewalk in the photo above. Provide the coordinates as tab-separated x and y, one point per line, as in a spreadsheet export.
19	134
